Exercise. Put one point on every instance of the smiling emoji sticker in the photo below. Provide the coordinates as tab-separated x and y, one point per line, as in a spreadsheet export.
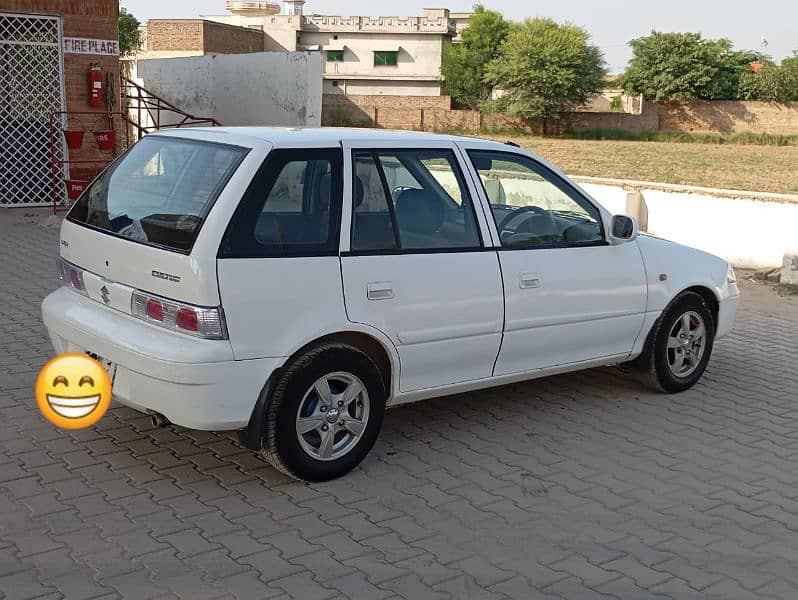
73	391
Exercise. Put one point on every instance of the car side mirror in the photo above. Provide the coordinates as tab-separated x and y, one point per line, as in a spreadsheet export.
623	229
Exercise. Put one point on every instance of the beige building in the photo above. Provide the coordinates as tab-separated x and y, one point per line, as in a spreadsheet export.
363	55
461	21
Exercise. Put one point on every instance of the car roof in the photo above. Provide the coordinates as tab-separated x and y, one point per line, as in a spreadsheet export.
319	137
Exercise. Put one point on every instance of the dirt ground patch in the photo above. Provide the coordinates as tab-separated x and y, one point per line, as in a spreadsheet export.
741	167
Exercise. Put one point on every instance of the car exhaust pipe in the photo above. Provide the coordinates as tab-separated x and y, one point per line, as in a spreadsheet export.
158	420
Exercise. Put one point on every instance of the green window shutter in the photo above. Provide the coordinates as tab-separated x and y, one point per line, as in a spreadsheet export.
335	56
386	58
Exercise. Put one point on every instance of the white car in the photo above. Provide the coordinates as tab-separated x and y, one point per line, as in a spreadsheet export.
293	283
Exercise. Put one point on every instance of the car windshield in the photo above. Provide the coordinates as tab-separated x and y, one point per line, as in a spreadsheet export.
160	192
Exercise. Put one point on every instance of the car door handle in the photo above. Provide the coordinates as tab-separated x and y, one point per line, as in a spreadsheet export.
379	290
529	280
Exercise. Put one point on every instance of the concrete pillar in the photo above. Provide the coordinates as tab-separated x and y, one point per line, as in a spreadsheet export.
789	267
636	207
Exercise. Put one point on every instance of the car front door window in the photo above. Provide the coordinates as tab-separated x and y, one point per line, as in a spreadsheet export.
532	207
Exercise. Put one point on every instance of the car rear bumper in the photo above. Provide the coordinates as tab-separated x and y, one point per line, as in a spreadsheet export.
193	382
727	311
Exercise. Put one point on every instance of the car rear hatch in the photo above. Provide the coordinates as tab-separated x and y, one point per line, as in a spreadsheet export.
136	225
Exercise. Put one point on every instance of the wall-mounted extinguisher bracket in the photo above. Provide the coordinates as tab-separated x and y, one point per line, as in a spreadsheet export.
95	85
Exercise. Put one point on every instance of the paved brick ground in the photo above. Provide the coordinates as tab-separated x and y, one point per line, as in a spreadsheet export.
576	486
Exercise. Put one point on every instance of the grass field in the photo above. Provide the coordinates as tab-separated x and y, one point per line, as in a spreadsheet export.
766	168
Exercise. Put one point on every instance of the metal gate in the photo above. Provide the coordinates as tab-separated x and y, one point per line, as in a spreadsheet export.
31	89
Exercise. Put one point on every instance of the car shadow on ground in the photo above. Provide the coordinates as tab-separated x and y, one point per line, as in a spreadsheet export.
541	411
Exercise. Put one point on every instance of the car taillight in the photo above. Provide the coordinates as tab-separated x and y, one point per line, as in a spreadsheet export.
71	276
154	310
187	319
200	321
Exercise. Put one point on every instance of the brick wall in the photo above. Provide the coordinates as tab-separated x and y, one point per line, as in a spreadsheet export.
442	120
380	101
174	34
729	117
198	35
96	19
646	122
229	39
434	114
419	119
350	114
82	19
389	112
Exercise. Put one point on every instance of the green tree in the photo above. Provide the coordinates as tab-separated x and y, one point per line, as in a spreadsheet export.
772	83
545	68
682	66
463	66
129	34
789	80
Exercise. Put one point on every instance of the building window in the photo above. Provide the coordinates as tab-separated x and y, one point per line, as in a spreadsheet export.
335	56
386	58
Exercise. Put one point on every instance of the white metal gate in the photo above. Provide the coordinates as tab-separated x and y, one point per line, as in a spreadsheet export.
31	89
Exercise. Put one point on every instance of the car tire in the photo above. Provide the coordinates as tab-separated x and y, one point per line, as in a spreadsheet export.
324	414
680	344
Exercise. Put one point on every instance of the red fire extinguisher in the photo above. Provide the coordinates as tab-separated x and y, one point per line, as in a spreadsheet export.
95	85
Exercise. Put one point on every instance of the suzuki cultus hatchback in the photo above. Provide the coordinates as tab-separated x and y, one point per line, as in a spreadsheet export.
292	284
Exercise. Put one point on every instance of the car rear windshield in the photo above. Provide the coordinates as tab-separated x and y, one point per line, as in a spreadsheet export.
159	192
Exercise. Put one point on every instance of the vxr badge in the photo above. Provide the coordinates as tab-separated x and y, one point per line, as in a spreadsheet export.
106	295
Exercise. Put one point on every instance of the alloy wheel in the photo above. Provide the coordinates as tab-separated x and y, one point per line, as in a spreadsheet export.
332	416
686	344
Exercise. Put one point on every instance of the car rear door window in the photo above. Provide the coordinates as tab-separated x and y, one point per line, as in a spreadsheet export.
411	200
291	209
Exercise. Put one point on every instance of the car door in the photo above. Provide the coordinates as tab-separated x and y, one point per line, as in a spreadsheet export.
415	266
570	296
278	266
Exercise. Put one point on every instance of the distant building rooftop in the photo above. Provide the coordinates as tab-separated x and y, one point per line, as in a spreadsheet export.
252	9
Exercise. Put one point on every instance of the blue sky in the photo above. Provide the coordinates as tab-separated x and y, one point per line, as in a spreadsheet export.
611	23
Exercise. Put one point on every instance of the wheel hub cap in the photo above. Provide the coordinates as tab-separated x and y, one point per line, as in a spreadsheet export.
332	416
686	344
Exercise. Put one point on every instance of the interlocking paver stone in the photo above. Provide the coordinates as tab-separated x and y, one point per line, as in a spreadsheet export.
581	486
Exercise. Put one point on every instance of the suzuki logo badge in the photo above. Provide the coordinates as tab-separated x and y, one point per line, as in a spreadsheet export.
106	295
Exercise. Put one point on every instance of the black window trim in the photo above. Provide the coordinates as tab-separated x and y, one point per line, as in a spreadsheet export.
404	251
568	188
265	178
388	200
206	209
374	154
